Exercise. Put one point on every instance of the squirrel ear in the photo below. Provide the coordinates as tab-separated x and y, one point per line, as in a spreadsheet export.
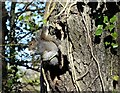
33	39
45	27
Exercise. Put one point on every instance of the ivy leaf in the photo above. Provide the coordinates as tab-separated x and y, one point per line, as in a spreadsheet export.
111	27
113	19
114	35
105	19
100	27
114	45
98	32
107	27
107	43
116	77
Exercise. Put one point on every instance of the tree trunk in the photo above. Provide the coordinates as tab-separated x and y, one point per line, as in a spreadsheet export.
4	31
88	66
118	30
1	47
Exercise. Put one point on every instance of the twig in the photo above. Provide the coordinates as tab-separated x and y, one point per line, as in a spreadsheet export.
25	7
47	11
70	57
70	7
92	81
81	77
47	84
91	50
97	62
63	9
2	55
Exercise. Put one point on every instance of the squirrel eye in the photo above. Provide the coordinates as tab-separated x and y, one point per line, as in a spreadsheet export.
31	44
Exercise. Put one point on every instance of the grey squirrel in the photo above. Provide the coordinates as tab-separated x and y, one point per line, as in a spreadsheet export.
47	47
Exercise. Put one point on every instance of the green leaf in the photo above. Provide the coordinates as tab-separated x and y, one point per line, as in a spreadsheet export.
100	27
27	18
116	77
113	19
36	26
98	32
34	14
105	19
111	27
114	35
44	21
107	43
20	18
30	25
114	45
10	81
106	27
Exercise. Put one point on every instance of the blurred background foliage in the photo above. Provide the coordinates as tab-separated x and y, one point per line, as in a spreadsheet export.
22	22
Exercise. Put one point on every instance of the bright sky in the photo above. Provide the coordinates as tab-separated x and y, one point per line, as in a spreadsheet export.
21	55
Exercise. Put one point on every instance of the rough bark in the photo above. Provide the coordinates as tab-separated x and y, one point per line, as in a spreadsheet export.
118	30
88	66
